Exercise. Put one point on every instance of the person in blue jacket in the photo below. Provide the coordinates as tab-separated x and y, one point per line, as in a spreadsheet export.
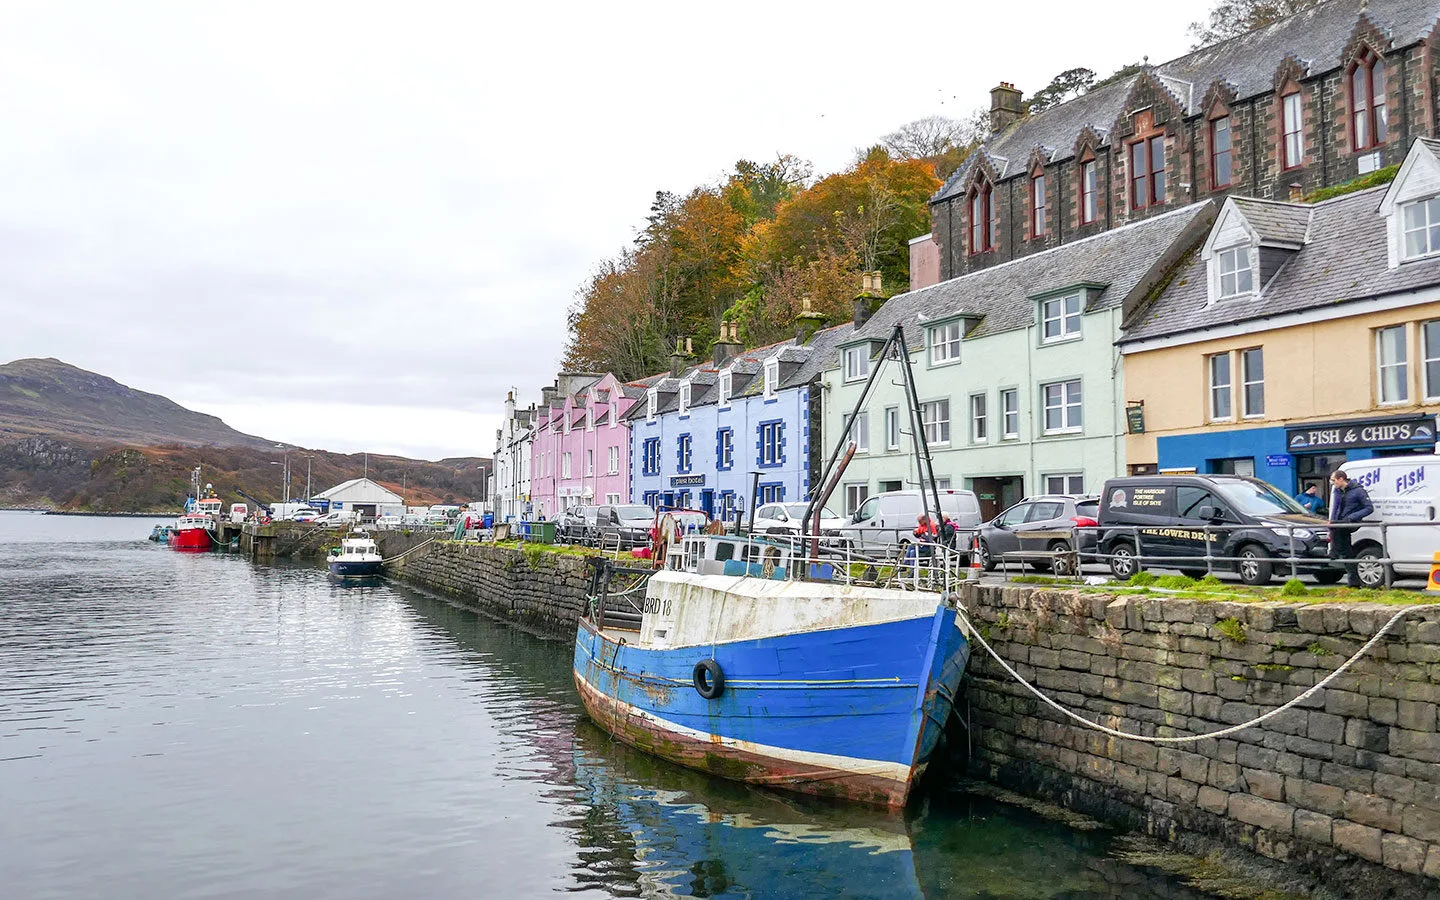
1310	499
1348	504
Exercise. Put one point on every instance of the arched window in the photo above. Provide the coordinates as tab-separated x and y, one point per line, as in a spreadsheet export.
1369	124
984	226
1037	203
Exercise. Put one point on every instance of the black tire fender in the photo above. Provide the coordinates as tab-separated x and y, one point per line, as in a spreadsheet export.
709	679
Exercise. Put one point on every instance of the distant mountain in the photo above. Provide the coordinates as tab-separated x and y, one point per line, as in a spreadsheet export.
72	439
53	399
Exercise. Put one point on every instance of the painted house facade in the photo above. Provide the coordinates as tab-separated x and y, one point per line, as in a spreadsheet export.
1315	99
702	434
1302	336
1016	369
581	449
513	441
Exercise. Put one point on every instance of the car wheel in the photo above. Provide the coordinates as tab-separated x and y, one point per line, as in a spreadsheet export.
1329	576
1123	561
1254	566
1196	574
1369	569
1064	561
987	562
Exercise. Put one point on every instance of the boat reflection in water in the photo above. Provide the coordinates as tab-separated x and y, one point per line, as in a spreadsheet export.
667	831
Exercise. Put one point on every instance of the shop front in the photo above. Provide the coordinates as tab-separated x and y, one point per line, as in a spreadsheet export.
1296	456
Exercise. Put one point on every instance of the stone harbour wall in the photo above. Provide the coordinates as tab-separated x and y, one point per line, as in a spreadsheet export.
544	591
1345	786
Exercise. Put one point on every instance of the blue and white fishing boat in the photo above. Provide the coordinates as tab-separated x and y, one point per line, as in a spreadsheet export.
356	557
765	661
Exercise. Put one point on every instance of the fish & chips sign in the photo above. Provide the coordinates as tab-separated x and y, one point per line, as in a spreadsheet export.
1361	434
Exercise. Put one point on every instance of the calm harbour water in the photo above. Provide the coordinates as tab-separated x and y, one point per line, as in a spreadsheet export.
195	726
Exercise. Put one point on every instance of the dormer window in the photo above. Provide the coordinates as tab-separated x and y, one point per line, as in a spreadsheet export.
684	397
945	344
725	385
1220	153
565	420
652	402
984	223
1235	273
772	377
1060	319
1369	122
857	362
614	414
1421	224
1037	204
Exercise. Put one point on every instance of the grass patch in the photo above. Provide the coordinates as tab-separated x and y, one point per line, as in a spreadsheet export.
1294	588
1211	580
1036	579
1232	629
1142	579
1175	582
1319	649
1274	667
1377	177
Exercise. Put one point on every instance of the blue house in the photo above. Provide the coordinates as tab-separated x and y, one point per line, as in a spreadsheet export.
704	432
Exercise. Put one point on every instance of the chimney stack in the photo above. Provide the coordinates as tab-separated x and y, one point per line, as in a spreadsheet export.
869	299
1295	194
728	345
808	322
1005	107
680	358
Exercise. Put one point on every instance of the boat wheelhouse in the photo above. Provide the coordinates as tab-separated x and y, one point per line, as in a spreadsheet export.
357	557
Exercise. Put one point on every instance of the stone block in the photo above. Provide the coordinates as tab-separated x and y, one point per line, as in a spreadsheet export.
1321	798
1421	822
1432	862
1325	727
1415	716
1074	659
1368	809
1226	776
1253	757
1194	767
1178	702
1212	800
1262	813
1345	703
1396	787
1312	826
1116	612
1384	710
1197	681
1367	735
1358	840
1348	778
1423	746
1403	853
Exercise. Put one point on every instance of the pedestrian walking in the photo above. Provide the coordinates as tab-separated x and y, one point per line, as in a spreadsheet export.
1348	504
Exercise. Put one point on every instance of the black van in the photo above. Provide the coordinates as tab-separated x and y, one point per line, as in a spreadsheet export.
1155	518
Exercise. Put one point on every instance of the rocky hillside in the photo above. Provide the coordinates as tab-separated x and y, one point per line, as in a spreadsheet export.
52	399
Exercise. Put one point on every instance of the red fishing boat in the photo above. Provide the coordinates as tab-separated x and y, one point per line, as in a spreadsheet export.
195	529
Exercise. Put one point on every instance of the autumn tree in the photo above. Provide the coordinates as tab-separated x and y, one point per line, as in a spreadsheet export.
1232	18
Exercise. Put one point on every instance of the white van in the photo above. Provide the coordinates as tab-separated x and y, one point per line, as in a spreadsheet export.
1403	489
888	519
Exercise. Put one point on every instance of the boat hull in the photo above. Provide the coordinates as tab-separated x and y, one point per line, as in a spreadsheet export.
366	569
191	539
847	711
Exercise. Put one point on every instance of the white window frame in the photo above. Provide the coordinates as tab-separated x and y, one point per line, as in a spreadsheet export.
1072	483
935	419
857	362
652	402
1432	391
725	445
1010	414
860	434
892	428
614	414
726	383
1403	365
1067	321
565	464
855	495
612	499
980	418
1065	406
684	403
1428	229
1292	157
1246	381
1228	387
685	444
772	377
945	343
613	462
1231	255
589	462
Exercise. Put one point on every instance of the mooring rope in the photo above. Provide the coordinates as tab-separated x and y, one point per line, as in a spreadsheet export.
1320	685
410	551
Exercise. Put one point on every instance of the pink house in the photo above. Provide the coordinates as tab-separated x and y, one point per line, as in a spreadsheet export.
581	454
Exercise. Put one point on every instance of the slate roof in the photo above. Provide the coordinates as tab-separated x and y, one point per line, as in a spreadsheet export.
1346	258
999	297
1317	37
1275	222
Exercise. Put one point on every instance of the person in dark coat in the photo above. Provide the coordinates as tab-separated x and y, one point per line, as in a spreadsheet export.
1348	504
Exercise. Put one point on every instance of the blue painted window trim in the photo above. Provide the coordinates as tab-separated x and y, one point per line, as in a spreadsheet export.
772	492
683	454
724	449
651	497
650	461
770	432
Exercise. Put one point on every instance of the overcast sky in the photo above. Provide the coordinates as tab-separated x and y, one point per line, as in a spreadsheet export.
354	226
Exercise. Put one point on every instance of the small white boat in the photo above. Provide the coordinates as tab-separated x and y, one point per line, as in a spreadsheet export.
356	557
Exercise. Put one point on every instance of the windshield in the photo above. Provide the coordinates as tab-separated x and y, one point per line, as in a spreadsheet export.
635	513
798	511
1257	498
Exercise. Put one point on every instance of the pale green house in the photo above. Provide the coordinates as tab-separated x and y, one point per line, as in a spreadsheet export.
1018	375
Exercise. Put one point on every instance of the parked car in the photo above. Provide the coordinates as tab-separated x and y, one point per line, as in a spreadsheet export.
304	514
334	519
787	518
576	525
629	524
888	520
1404	492
388	522
1045	524
1155	518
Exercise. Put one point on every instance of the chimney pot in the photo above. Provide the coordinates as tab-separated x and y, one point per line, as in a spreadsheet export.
1295	195
689	347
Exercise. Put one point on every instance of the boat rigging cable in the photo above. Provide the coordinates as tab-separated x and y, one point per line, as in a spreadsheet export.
974	634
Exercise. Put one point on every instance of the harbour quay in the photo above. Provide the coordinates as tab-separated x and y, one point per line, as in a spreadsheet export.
1342	787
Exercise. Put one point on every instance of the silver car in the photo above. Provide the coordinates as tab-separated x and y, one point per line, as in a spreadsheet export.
1061	525
788	518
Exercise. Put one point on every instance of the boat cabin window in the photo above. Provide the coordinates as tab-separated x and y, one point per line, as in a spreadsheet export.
724	550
